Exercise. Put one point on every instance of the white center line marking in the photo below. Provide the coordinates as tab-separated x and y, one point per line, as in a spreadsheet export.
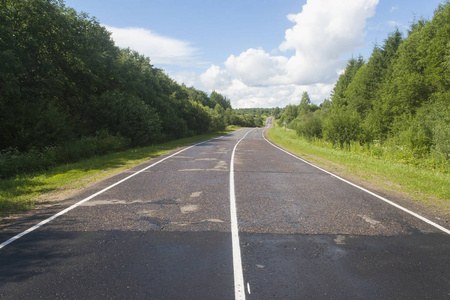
363	189
40	224
239	287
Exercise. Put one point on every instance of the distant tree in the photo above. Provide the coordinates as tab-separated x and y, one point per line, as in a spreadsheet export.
289	114
326	104
277	112
364	88
219	99
305	105
338	94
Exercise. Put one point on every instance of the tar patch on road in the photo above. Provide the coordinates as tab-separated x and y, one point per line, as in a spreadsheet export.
346	267
118	265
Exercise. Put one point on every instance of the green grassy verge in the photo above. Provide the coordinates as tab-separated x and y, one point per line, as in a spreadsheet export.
427	187
25	191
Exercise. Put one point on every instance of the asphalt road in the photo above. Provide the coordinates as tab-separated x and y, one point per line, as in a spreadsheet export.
166	234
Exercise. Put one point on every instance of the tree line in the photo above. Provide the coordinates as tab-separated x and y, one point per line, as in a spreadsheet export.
67	92
399	98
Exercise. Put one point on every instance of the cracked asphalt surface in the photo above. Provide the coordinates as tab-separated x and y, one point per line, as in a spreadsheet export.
165	234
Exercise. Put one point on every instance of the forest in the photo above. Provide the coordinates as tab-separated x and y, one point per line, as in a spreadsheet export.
395	105
68	93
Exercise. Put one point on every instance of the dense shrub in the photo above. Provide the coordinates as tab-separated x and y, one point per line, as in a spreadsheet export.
310	127
341	128
13	162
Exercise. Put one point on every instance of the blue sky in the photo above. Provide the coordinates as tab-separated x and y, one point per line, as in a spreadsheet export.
249	50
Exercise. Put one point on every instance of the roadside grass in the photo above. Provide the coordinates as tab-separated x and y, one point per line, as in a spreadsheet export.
24	191
427	187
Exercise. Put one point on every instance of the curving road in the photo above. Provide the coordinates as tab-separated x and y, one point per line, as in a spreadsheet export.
166	233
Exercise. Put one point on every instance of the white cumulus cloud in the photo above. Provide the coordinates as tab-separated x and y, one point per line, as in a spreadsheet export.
256	67
323	32
328	28
215	78
160	49
242	95
189	78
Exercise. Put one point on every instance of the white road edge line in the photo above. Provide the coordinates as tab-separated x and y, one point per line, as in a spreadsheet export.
239	287
40	224
363	189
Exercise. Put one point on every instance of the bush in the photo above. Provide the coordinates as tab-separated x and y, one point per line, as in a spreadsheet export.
217	123
311	127
341	127
13	162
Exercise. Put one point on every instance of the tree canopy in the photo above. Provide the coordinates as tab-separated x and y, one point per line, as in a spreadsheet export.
63	81
399	97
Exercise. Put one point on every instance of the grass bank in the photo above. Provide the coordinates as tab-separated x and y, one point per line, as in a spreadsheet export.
26	190
428	187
